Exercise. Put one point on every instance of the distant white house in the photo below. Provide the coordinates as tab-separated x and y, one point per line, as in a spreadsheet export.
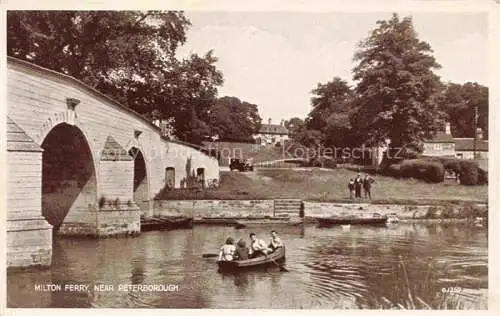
464	147
441	145
272	134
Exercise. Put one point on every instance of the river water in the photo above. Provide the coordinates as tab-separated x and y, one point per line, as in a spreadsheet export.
407	265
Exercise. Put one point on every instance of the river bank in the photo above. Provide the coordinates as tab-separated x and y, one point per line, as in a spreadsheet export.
314	184
243	208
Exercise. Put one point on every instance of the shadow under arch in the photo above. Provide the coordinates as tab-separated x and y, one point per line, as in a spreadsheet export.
141	187
69	182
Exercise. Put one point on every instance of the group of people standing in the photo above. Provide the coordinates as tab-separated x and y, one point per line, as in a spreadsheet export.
355	186
241	251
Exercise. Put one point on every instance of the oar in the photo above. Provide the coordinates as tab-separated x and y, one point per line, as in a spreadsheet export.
282	268
210	255
239	226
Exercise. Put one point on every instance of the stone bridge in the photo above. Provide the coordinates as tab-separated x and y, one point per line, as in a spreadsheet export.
81	164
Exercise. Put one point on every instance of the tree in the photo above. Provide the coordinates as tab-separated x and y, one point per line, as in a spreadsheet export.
338	131
128	55
191	96
294	126
332	108
458	102
233	119
396	90
331	97
311	138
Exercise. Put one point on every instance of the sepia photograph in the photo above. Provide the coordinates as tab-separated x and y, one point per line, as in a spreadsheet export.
253	159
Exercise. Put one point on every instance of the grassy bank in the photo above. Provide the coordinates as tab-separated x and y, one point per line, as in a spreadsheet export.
330	186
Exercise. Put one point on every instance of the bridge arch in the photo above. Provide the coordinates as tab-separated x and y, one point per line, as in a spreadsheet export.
141	176
69	174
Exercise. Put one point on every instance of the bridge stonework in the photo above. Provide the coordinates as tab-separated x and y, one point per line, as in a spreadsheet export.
80	164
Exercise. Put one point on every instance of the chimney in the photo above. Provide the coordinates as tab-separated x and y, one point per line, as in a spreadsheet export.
448	128
282	122
479	134
269	121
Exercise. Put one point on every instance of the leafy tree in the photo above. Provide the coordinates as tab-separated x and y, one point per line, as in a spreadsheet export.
338	131
294	126
332	104
458	102
233	119
128	55
331	97
311	138
397	89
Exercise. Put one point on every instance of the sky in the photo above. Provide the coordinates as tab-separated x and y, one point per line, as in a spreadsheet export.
275	59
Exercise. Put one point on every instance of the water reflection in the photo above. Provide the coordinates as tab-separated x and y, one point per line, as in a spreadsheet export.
365	267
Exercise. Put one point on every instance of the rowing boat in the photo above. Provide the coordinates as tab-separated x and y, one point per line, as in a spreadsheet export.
352	220
166	223
268	223
272	259
218	221
224	220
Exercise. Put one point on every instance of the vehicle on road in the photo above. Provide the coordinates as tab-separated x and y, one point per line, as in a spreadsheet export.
241	164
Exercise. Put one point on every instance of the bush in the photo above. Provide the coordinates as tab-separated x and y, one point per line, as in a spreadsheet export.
434	173
469	173
329	163
102	201
392	171
452	164
431	212
448	212
397	155
430	171
471	211
482	176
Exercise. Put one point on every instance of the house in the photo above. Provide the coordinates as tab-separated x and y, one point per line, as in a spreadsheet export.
464	147
272	134
441	145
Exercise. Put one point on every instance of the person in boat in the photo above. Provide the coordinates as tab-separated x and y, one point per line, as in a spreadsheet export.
226	252
242	251
367	186
275	241
258	247
350	186
358	183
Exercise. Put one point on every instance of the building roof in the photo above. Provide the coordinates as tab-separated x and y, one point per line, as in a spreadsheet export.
18	140
273	129
467	144
441	137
